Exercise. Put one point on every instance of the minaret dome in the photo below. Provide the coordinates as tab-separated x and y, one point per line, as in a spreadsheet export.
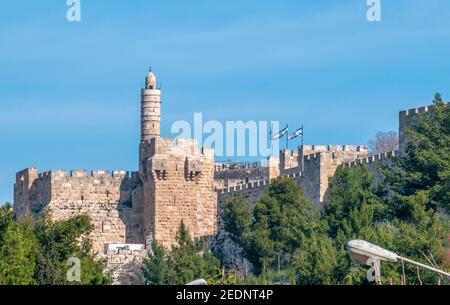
150	81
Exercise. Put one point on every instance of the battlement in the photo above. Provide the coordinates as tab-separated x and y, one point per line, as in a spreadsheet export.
244	187
34	190
289	159
220	167
26	176
104	175
408	118
252	186
289	152
311	149
415	111
372	159
312	156
292	159
177	146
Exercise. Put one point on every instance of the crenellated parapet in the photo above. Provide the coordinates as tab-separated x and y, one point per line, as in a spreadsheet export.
168	157
233	177
233	174
312	149
243	188
378	158
252	190
289	159
28	193
293	160
94	175
233	166
407	119
105	196
414	111
33	191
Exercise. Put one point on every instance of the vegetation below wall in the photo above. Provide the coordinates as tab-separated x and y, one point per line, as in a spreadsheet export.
45	252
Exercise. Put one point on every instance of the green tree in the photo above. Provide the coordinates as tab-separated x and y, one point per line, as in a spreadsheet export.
6	218
352	211
183	263
352	204
425	170
61	240
37	252
155	266
357	211
18	249
272	231
238	217
419	187
317	261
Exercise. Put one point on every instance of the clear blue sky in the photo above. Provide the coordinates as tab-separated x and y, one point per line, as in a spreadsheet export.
69	92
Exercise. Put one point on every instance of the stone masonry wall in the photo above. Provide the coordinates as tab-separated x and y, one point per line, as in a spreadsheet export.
233	177
228	175
318	168
328	163
373	162
179	185
125	266
289	159
320	163
63	194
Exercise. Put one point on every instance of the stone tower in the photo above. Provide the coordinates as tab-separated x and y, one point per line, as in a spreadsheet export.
177	178
150	116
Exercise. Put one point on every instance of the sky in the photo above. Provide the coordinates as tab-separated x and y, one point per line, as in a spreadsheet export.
70	92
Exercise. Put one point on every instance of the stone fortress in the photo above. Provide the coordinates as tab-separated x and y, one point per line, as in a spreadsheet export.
310	165
176	181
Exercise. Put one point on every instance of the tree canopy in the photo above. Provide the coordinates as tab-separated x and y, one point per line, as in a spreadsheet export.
38	252
182	263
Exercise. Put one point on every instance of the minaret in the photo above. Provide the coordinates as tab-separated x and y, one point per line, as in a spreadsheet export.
150	115
150	109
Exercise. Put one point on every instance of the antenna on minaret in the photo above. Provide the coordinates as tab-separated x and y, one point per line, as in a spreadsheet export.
150	69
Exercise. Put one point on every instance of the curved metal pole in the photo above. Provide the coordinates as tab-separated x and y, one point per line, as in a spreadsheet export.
425	266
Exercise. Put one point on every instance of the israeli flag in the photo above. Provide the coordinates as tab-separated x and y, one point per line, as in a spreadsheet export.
281	133
297	133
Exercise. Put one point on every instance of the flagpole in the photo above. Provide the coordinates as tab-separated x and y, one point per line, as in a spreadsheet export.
287	139
303	149
271	139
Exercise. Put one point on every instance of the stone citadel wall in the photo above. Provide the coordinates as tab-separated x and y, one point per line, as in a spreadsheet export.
319	164
107	199
125	266
179	182
234	174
